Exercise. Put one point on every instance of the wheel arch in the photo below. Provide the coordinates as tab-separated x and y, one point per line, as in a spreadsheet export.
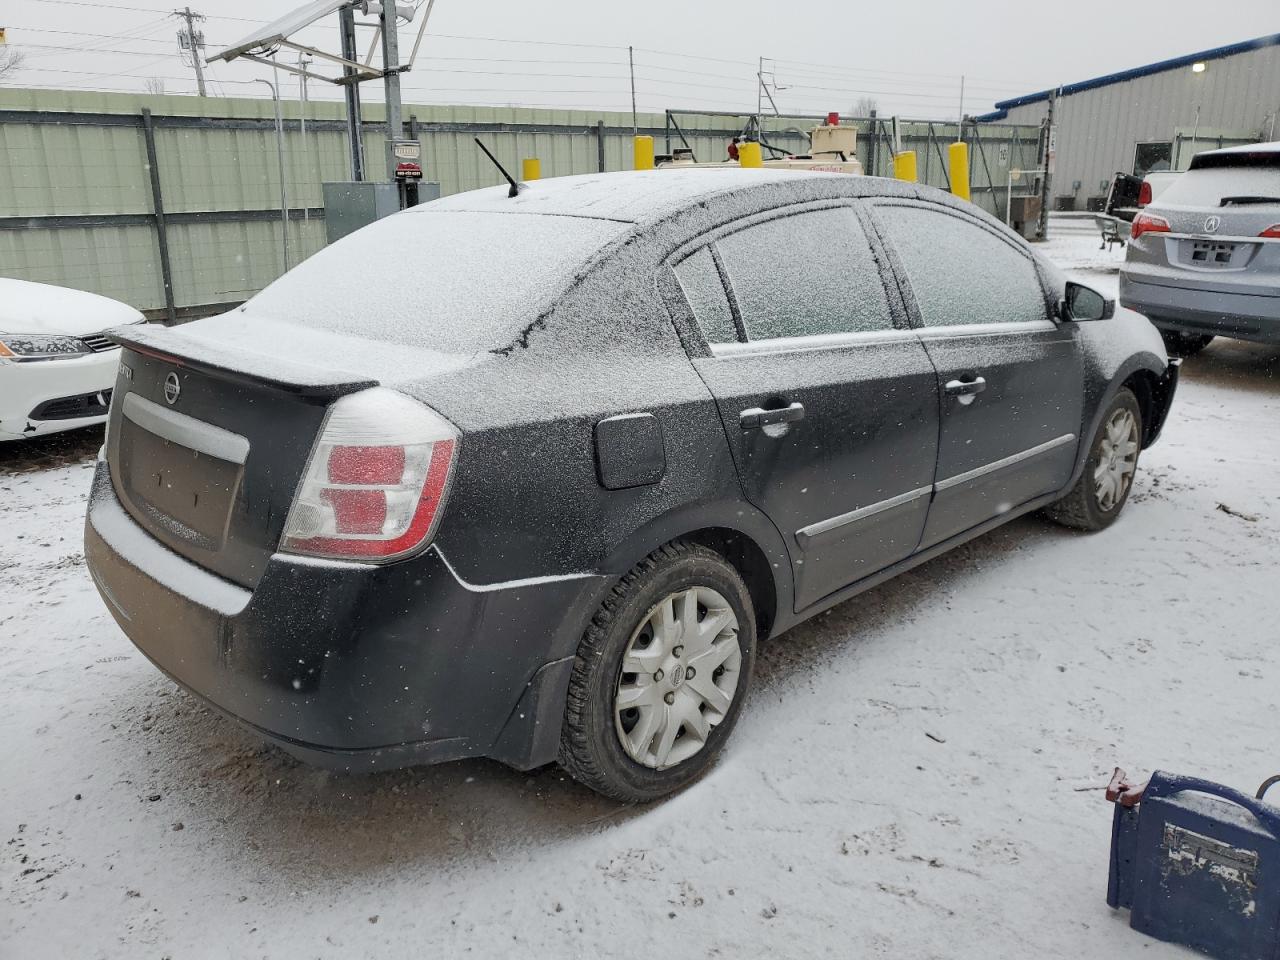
736	530
1145	374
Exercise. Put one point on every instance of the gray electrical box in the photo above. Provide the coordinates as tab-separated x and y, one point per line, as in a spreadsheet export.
350	205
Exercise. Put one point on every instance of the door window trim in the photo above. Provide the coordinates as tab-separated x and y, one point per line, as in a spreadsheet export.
810	342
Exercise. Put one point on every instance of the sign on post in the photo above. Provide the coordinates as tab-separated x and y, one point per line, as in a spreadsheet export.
404	159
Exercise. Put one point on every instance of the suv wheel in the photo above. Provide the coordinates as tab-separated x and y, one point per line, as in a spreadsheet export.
1100	493
1178	344
660	675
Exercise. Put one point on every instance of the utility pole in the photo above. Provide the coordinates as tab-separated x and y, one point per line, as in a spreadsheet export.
1046	169
351	90
304	63
631	61
759	90
391	70
193	42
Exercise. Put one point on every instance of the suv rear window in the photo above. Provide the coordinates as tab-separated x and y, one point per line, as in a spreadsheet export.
1209	186
457	282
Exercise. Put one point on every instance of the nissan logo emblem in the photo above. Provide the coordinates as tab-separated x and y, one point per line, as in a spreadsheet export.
172	388
1211	224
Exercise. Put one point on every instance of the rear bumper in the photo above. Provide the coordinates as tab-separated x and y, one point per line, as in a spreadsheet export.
346	665
1245	316
30	386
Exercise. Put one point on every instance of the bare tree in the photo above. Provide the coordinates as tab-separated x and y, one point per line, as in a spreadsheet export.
11	62
864	107
153	85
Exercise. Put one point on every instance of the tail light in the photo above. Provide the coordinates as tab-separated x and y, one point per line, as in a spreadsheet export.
1148	223
1144	194
377	480
1272	231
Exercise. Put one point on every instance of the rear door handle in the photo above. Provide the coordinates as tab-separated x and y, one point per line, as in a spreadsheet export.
756	417
966	388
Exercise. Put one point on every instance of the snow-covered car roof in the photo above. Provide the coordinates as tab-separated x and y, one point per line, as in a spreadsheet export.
1243	154
1271	147
28	307
631	197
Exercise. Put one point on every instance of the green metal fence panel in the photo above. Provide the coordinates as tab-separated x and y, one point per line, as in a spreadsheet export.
77	209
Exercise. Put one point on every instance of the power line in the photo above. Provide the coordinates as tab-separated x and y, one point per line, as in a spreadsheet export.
112	6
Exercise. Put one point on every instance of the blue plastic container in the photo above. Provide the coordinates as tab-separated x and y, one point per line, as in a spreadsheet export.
1197	863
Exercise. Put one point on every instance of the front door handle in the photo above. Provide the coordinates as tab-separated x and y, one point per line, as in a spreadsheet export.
756	417
966	389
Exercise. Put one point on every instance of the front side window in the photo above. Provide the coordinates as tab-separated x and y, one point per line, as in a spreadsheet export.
961	273
700	280
806	274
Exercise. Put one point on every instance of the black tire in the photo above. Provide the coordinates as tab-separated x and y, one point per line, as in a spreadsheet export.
590	746
1081	509
1182	345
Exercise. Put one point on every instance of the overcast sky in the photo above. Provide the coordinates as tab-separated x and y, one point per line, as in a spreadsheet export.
906	56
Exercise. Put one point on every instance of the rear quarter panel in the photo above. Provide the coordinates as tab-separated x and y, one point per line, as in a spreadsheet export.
526	499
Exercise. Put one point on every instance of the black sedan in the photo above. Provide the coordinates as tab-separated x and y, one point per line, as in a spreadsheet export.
529	477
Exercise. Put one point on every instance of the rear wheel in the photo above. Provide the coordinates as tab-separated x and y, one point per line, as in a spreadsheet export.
1179	344
660	675
1103	488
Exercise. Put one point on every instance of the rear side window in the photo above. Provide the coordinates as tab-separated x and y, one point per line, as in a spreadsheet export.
806	274
700	281
961	273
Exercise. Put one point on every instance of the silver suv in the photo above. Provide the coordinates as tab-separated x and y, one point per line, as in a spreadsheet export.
1204	259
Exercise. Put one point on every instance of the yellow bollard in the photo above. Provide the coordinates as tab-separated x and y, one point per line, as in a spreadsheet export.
904	166
530	169
958	158
749	154
643	152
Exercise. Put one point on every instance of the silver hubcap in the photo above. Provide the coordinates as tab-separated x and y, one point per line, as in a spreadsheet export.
1117	458
679	676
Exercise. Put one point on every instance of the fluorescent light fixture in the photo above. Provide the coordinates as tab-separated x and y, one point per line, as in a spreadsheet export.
1198	67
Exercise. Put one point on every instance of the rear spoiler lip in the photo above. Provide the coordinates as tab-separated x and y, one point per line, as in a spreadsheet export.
299	379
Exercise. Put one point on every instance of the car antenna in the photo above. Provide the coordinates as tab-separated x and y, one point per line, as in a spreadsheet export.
515	187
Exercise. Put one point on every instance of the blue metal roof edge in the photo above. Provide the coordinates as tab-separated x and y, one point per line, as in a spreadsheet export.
1217	53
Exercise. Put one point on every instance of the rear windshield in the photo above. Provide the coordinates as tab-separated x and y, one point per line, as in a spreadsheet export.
451	281
1210	186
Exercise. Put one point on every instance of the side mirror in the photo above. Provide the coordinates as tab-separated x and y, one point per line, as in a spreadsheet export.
1084	303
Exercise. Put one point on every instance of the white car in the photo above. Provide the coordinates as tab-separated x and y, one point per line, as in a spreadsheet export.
56	367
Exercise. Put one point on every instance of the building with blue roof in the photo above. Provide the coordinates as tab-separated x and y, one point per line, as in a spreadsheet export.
1154	117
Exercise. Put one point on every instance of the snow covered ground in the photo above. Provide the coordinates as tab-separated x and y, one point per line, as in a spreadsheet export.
917	773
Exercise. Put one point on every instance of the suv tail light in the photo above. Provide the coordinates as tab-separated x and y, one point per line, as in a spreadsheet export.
1144	194
1148	223
1272	231
376	483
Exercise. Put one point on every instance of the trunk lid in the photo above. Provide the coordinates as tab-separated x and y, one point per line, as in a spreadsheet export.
207	443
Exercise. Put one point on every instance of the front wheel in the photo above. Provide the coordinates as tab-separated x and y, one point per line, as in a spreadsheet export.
660	675
1182	345
1103	488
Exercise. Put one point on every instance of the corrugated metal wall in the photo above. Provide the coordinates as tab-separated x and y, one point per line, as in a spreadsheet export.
1098	129
76	162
